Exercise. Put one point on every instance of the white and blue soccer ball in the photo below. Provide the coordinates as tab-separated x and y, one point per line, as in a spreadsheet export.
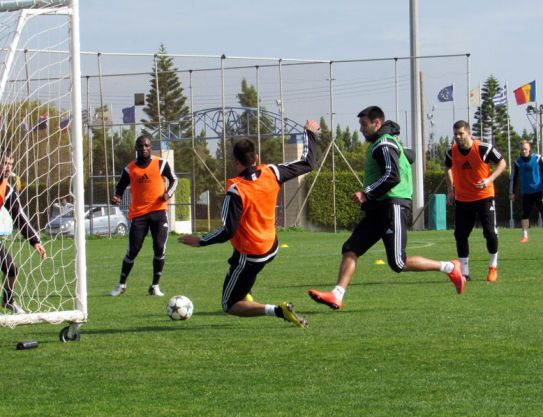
179	307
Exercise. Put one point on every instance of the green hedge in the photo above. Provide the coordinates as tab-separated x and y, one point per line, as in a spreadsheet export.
182	199
320	203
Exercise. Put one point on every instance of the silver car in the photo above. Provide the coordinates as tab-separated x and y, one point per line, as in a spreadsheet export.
64	223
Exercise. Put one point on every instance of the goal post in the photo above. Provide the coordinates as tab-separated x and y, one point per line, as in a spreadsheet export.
41	123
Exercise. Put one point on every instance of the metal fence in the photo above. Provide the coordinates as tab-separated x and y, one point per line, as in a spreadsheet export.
288	91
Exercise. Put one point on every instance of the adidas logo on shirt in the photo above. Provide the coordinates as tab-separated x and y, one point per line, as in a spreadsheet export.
466	165
143	179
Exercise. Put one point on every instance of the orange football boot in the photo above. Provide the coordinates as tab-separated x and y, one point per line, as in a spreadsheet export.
492	275
326	297
457	278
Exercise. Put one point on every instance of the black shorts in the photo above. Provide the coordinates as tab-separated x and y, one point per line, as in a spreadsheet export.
388	223
466	213
530	200
157	223
242	275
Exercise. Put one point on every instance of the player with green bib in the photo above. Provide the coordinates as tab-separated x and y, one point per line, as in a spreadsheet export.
386	200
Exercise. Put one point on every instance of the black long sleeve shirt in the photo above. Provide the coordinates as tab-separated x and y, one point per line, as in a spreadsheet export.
232	207
15	210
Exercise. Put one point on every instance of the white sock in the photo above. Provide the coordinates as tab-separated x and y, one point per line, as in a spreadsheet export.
447	267
269	310
339	292
493	260
525	233
464	263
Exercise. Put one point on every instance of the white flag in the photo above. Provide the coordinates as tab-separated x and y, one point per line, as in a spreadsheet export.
103	117
475	96
203	198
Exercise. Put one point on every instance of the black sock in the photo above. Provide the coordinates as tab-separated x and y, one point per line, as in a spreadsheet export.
279	312
158	266
125	270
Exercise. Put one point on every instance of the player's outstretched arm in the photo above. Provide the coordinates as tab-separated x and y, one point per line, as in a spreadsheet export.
190	240
289	170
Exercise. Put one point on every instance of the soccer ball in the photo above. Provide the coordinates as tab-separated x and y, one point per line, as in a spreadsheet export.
179	307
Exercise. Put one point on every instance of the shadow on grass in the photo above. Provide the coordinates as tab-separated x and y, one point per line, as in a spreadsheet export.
357	284
154	329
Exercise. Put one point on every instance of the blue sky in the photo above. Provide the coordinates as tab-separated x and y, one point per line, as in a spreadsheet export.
501	36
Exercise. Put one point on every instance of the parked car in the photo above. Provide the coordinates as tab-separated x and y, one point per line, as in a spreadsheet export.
64	224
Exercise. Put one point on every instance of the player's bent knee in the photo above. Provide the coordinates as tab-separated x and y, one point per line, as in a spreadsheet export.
395	267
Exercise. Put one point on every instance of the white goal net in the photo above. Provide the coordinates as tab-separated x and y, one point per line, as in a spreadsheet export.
40	125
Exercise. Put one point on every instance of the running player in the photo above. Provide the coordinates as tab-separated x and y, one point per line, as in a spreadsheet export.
386	200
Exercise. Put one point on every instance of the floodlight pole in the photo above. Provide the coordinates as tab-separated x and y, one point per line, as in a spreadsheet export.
418	185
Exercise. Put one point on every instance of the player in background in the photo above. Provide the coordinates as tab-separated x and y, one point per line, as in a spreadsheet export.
147	212
9	199
470	184
529	168
386	200
248	217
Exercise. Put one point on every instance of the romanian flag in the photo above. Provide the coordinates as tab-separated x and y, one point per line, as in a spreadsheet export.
525	94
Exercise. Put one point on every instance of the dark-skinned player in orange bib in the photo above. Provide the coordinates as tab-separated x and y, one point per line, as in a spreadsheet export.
149	197
248	221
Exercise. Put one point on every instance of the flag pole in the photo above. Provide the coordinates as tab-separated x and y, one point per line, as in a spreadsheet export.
469	89
511	220
481	114
454	116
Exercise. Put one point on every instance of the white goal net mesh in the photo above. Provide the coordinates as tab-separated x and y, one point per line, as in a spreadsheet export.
36	114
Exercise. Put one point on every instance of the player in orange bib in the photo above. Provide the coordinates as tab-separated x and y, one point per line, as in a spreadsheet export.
10	200
147	212
248	217
470	183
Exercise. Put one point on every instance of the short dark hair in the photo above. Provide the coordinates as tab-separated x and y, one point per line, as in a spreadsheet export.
373	113
140	139
244	152
461	124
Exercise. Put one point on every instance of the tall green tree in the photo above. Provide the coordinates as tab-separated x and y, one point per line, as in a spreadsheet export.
490	122
167	102
270	146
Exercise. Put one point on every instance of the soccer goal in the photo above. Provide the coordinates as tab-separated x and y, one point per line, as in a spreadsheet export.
40	123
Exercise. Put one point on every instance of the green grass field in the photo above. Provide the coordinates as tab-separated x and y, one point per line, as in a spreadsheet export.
404	345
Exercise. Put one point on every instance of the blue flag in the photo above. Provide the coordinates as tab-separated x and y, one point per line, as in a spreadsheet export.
500	99
42	122
446	94
64	124
129	115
